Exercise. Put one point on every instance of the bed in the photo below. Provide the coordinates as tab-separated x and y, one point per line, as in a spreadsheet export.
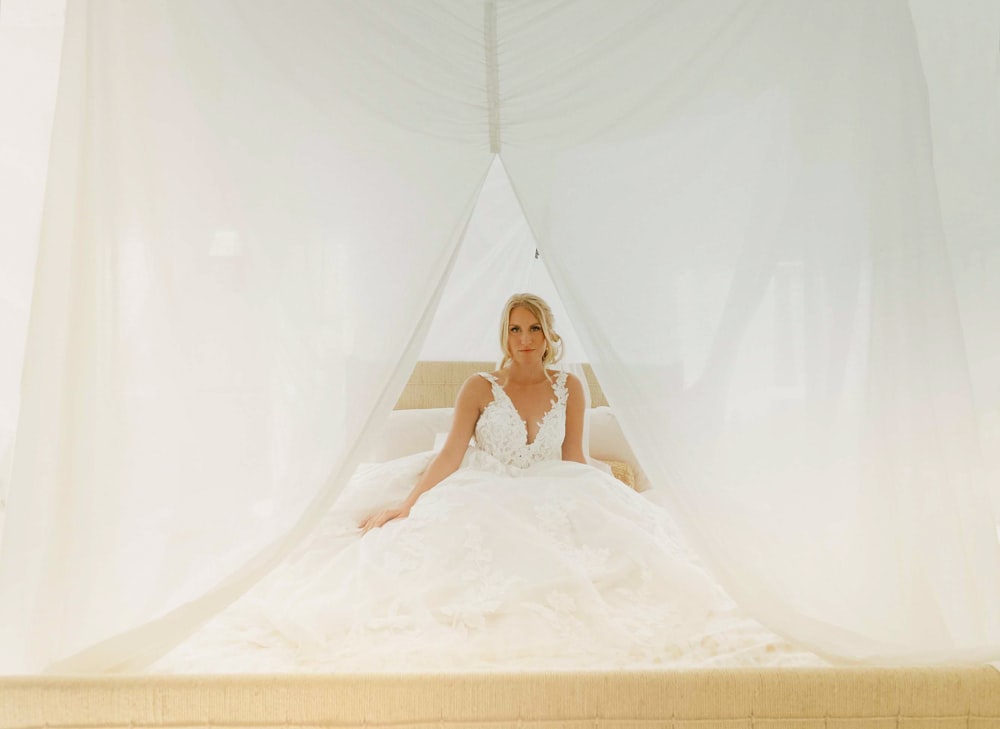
835	698
762	696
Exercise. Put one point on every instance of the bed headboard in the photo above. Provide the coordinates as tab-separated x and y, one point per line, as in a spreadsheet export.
436	384
424	413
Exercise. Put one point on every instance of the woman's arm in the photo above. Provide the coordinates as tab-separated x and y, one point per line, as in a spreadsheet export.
572	448
468	406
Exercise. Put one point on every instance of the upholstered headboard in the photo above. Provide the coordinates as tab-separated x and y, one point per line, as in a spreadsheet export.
423	414
436	384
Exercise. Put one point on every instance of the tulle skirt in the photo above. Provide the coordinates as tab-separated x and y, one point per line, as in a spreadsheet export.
559	566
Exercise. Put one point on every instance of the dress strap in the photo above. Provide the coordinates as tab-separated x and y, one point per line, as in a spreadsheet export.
562	392
490	378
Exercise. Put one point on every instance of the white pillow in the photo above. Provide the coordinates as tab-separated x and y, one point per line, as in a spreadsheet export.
407	432
607	443
441	438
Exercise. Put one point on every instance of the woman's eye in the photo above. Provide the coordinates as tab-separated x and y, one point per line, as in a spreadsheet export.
536	328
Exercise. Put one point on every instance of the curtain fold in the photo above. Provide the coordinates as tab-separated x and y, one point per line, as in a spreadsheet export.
961	61
752	252
30	37
213	326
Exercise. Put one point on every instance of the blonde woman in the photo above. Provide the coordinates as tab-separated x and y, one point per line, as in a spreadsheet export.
534	404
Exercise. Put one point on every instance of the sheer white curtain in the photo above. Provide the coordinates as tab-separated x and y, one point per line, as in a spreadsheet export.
251	211
741	207
961	59
30	36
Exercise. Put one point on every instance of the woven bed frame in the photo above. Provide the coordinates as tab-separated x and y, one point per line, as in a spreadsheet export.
835	698
943	697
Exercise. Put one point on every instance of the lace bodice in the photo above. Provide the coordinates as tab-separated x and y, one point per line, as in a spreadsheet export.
502	434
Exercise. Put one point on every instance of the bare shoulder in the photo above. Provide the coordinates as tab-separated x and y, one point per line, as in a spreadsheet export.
476	391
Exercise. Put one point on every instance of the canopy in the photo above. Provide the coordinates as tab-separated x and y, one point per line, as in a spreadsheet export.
253	210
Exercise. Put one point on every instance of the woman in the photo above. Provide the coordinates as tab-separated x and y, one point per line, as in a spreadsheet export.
522	387
512	553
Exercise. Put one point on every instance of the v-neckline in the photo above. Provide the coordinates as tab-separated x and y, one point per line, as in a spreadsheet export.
524	423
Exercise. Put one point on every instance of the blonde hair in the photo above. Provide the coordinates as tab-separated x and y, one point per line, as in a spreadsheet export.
541	311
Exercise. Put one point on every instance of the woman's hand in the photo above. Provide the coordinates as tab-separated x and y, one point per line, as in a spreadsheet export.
383	517
472	398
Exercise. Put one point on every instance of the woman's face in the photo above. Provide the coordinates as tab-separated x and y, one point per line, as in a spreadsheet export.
525	340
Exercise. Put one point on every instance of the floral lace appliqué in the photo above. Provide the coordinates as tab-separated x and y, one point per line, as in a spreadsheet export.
485	587
502	434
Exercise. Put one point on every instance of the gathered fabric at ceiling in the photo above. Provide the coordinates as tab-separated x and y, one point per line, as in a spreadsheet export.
251	215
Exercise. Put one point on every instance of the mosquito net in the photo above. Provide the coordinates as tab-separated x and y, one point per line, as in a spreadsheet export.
253	211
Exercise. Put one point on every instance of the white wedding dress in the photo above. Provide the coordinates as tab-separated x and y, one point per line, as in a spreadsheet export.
517	560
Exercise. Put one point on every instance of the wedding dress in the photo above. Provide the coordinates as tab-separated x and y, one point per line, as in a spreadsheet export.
517	560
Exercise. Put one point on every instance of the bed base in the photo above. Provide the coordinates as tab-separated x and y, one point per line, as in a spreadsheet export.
825	698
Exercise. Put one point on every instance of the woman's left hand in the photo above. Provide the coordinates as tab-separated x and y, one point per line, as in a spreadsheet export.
383	517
